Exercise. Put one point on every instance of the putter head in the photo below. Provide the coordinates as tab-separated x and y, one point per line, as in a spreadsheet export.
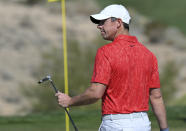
48	77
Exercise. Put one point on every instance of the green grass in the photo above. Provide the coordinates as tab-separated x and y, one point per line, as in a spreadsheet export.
171	12
86	119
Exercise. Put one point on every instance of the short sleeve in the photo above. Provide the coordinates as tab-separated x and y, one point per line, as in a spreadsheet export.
154	80
102	68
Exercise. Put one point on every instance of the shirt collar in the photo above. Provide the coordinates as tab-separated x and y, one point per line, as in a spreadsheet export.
131	39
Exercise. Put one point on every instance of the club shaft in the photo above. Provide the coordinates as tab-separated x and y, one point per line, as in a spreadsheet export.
71	119
56	90
54	87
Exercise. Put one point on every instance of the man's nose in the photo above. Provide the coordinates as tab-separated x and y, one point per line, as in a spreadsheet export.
99	26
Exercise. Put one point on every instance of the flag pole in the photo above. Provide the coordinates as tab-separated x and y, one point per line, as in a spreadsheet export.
65	56
64	39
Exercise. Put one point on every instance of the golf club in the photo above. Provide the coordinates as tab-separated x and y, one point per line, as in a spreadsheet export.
48	77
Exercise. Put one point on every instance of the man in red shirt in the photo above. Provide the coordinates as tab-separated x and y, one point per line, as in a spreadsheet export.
125	76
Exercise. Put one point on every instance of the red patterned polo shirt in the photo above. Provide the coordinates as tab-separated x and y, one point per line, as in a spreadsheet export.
128	69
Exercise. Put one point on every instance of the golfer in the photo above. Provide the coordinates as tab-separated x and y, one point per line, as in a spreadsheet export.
125	77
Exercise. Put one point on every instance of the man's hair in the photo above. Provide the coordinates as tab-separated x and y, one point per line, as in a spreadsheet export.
125	25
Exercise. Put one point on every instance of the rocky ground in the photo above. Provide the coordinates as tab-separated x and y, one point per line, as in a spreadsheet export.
28	31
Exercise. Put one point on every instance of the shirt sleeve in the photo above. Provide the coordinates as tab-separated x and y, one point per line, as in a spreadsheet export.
155	81
102	68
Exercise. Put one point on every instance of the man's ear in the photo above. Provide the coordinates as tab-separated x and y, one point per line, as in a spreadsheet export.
119	23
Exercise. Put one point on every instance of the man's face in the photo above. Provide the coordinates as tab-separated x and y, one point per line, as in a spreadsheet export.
108	29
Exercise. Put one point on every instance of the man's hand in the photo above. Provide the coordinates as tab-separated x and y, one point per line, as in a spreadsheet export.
63	99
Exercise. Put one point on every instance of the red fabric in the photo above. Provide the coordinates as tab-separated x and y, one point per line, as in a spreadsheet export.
128	69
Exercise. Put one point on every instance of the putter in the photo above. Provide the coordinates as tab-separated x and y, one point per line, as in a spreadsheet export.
48	77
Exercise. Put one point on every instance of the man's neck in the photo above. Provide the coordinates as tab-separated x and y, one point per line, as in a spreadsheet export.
122	32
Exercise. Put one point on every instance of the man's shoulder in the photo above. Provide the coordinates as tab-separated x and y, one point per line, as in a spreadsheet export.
107	46
147	50
105	49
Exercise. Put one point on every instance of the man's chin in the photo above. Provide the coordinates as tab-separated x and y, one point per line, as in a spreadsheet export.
106	38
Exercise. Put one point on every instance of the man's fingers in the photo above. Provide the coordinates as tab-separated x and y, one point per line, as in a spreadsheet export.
63	99
58	93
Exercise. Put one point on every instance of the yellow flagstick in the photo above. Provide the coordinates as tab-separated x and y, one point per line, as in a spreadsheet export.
65	56
65	53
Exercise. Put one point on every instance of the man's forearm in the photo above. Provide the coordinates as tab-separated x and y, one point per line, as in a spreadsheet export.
82	99
159	111
91	95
